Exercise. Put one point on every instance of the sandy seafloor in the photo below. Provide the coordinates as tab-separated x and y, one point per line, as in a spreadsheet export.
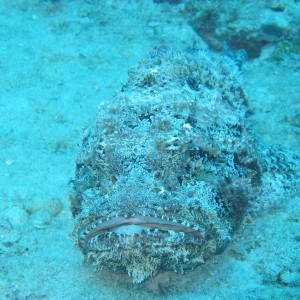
58	61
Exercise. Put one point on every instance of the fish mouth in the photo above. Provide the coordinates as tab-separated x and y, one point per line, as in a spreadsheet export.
135	224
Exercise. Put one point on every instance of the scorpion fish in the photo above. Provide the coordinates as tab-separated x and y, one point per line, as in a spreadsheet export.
169	168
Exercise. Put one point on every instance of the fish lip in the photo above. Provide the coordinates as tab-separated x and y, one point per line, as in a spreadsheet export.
144	221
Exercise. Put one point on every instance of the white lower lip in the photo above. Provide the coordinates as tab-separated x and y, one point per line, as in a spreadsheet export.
129	229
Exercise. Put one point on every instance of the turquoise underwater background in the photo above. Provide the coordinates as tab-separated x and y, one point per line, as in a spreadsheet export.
59	60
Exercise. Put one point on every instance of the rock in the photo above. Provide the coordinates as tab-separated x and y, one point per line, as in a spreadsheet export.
291	279
10	237
16	216
41	219
250	26
53	205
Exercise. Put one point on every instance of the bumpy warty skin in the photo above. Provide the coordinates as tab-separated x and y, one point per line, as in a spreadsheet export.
168	168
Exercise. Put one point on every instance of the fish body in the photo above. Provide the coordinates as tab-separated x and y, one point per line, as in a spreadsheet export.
169	168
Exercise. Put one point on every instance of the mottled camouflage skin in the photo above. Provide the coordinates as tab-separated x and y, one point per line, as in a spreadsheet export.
168	168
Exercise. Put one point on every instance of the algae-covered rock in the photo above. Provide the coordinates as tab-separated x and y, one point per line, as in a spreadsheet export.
169	168
244	24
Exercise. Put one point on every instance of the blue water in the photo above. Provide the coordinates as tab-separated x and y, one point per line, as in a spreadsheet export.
59	60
